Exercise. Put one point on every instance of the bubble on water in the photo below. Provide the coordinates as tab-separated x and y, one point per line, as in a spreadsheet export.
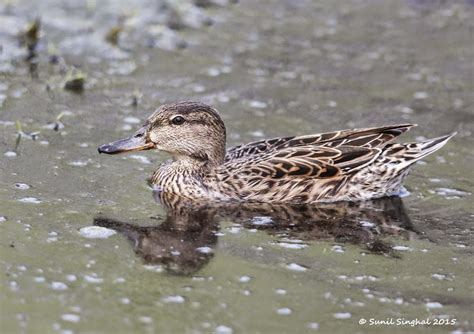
176	299
93	279
296	267
39	279
10	154
221	329
127	127
244	279
332	104
401	248
119	280
96	232
32	200
22	186
205	250
257	133
280	292
342	315
3	219
257	104
433	305
60	286
140	158
71	317
131	120
284	311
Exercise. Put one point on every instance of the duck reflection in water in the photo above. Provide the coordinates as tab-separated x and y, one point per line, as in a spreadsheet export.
185	241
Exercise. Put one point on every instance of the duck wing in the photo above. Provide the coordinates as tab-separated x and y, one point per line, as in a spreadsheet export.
368	137
301	162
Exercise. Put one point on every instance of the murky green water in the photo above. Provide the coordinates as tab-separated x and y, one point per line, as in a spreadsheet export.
272	68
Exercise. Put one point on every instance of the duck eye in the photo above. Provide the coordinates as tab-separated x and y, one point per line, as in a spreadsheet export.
178	120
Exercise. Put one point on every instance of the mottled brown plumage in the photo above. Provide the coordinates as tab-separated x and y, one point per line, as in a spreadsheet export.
346	165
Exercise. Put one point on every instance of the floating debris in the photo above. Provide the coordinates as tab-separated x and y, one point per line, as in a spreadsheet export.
244	279
96	232
131	120
313	326
342	315
22	186
57	124
113	34
140	158
296	267
70	317
284	311
173	299
289	245
420	95
257	104
77	163
261	220
221	329
30	37
433	305
60	286
280	292
136	97
205	250
451	192
75	81
32	200
10	154
337	249
93	279
401	248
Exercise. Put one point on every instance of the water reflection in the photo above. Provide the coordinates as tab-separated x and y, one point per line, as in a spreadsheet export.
185	241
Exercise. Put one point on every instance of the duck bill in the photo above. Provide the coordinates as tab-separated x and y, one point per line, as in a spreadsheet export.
138	142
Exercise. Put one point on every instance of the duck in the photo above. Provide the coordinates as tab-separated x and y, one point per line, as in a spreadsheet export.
345	165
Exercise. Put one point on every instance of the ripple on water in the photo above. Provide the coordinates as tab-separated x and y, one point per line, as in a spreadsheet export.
96	232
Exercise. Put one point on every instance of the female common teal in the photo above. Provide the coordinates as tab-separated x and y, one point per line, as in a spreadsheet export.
345	165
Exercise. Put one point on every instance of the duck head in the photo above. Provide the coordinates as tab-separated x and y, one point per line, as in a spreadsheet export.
186	130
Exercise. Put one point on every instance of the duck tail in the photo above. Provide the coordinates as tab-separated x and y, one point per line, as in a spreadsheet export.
409	153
